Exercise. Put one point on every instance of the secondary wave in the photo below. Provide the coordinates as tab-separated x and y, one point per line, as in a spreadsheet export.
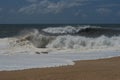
64	30
87	31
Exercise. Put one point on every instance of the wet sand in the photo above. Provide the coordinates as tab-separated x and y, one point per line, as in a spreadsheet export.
104	69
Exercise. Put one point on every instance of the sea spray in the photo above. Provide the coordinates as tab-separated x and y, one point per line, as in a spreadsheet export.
37	39
40	41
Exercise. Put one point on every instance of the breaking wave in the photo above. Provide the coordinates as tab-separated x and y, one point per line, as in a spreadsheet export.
68	41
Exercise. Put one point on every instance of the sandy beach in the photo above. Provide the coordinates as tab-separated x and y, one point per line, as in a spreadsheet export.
102	69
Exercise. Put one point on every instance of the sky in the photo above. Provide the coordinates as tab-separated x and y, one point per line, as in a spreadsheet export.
59	11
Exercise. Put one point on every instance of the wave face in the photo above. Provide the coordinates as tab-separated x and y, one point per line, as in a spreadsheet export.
33	36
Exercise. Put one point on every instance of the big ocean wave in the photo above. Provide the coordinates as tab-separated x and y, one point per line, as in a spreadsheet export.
69	38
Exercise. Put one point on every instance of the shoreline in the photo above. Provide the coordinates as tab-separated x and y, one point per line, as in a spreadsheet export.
100	69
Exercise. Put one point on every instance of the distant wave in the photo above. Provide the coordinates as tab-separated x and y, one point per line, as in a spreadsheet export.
88	31
68	29
64	30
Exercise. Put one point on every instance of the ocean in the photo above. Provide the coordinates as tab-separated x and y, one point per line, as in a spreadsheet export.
9	30
24	46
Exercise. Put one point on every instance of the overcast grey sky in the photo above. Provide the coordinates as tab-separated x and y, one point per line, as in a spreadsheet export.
59	11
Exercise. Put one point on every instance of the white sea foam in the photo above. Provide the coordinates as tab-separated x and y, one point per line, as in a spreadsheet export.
4	43
54	59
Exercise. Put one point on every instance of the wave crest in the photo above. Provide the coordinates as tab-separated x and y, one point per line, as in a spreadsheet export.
65	30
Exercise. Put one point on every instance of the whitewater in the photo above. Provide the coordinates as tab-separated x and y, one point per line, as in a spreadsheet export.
43	48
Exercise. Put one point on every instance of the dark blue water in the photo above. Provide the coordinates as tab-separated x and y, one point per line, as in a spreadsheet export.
10	30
